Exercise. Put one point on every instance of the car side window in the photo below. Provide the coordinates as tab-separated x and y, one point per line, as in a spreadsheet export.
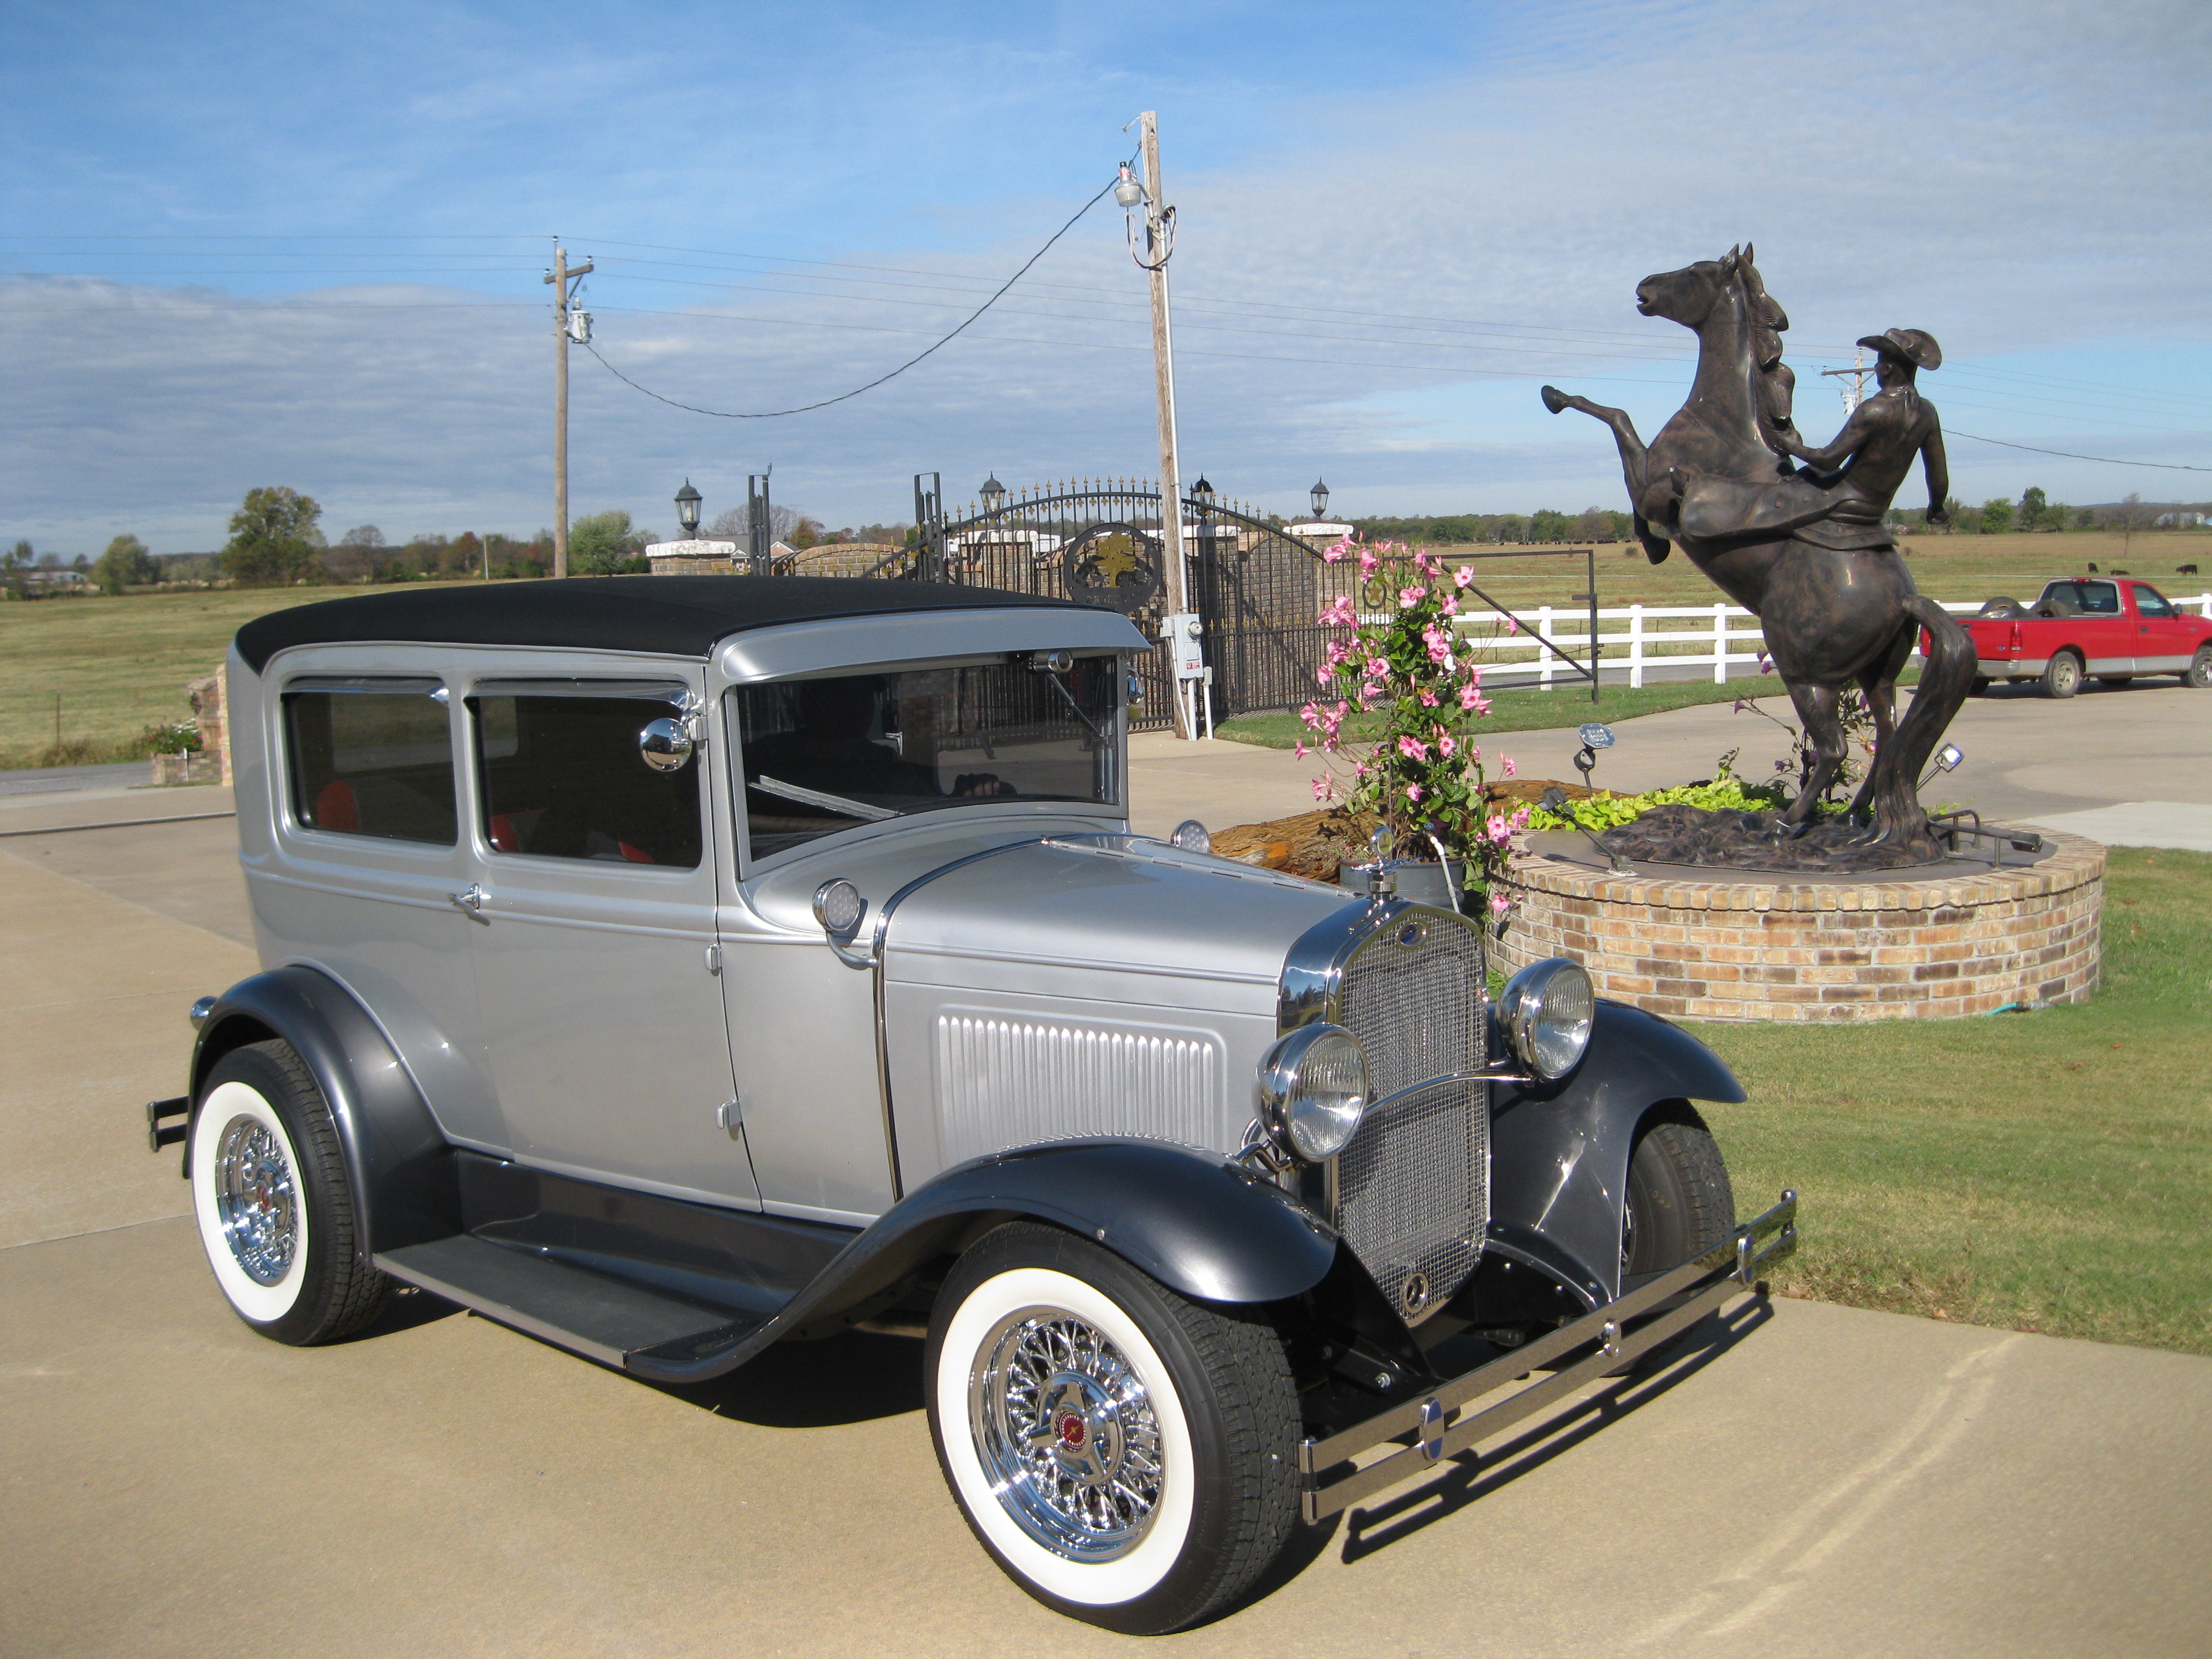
2099	599
560	775
371	757
2152	603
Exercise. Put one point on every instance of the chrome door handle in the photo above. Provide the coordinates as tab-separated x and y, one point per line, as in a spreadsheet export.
471	903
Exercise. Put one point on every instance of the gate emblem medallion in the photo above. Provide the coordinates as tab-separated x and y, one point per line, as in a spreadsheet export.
1114	565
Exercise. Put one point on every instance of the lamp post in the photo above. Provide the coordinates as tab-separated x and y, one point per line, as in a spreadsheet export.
993	494
687	509
1320	497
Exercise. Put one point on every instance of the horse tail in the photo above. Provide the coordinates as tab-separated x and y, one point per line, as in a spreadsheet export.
1947	675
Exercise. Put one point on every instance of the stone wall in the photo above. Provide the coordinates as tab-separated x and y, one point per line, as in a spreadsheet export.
1894	947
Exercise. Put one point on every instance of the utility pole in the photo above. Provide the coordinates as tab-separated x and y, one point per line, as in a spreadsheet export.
1159	234
562	277
1855	393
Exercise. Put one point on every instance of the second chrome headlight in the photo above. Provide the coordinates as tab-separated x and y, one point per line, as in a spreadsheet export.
1314	1088
1547	1010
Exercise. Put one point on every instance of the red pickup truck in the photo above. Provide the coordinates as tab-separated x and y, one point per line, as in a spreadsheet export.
2089	625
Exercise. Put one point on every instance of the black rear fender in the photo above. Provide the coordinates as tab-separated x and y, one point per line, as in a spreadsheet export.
406	1189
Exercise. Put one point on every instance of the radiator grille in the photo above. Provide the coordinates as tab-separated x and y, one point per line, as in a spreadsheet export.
1414	1189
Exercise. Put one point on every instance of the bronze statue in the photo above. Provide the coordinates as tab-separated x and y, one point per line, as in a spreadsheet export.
1805	552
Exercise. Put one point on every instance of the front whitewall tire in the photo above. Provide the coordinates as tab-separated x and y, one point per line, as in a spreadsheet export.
1093	1584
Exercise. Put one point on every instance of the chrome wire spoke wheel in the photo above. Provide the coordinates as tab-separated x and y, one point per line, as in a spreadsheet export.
257	1198
1066	1432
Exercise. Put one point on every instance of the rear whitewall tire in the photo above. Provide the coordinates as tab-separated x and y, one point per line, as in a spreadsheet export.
232	1110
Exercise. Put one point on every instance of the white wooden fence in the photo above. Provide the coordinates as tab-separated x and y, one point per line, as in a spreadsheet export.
1719	636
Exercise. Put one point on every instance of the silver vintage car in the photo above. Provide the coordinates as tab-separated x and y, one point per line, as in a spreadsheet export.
666	966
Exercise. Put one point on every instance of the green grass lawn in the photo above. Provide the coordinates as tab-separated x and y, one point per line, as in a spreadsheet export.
117	666
2047	1171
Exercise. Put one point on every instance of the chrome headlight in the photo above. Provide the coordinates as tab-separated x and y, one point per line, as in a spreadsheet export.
1547	1010
1314	1087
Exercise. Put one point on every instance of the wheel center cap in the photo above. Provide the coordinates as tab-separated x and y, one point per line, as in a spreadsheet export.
1088	1439
1072	1431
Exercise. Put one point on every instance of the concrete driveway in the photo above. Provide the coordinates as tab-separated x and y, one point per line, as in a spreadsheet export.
2136	759
1821	1481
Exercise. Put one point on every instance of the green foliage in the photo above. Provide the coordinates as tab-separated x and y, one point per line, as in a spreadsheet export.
1594	523
604	544
1997	517
1723	794
2035	510
274	540
125	564
171	738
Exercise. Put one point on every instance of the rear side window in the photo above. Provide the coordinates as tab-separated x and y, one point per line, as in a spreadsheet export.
561	776
2152	603
2099	599
371	757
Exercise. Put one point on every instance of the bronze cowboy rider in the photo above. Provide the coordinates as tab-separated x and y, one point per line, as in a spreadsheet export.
1841	497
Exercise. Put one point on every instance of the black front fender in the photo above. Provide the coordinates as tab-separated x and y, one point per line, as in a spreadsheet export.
1559	1152
405	1188
1203	1226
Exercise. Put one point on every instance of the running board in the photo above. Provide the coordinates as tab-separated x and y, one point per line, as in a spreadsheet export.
593	1314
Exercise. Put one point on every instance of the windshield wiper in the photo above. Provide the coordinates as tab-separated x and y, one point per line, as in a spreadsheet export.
839	804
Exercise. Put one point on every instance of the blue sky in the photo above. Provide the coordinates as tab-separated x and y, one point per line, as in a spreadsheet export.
247	245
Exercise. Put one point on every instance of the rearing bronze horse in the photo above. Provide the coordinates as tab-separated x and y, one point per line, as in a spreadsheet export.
1833	593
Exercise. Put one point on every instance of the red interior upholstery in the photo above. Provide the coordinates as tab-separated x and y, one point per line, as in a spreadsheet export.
336	808
636	854
500	834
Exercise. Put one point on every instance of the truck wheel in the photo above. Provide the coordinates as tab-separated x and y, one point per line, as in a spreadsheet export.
2062	675
1679	1203
1981	684
2199	676
274	1208
1126	1456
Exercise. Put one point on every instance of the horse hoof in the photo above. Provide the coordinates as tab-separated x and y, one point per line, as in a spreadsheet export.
1554	399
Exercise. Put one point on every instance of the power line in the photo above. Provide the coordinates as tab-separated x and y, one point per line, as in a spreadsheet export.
2068	454
802	409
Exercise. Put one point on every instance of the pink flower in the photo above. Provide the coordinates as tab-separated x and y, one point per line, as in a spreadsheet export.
1301	748
1511	627
1507	762
1497	903
1339	614
1324	789
1412	748
1410	596
1451	605
1520	819
1445	746
1426	563
1463	577
1369	564
1428	700
1321	676
1377	668
1470	696
1414	792
1498	829
1475	754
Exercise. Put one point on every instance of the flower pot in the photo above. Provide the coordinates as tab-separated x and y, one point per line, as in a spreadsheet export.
1423	881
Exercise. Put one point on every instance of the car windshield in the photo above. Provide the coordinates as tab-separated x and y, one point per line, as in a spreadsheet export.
824	754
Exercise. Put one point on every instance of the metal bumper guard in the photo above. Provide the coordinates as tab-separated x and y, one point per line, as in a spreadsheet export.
1441	1426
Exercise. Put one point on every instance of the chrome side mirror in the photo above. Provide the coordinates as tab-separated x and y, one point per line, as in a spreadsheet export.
839	908
664	746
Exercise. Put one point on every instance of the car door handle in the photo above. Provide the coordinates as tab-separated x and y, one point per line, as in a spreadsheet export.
470	902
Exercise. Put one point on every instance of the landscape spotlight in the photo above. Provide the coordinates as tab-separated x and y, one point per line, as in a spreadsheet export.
993	492
687	508
1126	191
1320	498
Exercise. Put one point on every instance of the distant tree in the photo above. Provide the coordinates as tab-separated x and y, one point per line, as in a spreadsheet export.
81	562
125	564
605	544
1997	516
1595	524
1965	521
2084	519
1547	526
731	523
273	539
50	561
2035	509
806	534
358	556
16	569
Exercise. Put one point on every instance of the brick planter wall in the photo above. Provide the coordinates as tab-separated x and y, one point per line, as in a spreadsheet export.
1748	947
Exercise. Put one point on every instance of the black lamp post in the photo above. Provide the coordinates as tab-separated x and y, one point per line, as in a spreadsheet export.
1203	491
1320	498
687	509
993	492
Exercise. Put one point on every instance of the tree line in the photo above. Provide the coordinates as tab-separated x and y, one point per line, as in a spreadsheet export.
1593	525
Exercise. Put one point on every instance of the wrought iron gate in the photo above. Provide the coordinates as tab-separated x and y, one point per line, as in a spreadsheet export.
1256	589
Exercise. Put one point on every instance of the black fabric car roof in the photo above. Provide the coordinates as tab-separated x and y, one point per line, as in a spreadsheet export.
682	616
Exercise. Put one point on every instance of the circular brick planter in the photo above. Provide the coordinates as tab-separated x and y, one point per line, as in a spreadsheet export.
1894	946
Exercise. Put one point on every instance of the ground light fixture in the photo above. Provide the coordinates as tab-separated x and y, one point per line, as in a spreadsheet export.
687	508
1320	496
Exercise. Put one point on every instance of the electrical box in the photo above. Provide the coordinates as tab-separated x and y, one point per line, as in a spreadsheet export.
1182	632
580	326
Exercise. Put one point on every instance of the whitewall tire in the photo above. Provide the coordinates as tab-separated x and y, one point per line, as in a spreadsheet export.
1125	1454
273	1203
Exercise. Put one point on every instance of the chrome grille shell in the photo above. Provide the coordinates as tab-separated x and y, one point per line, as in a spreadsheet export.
1411	1195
